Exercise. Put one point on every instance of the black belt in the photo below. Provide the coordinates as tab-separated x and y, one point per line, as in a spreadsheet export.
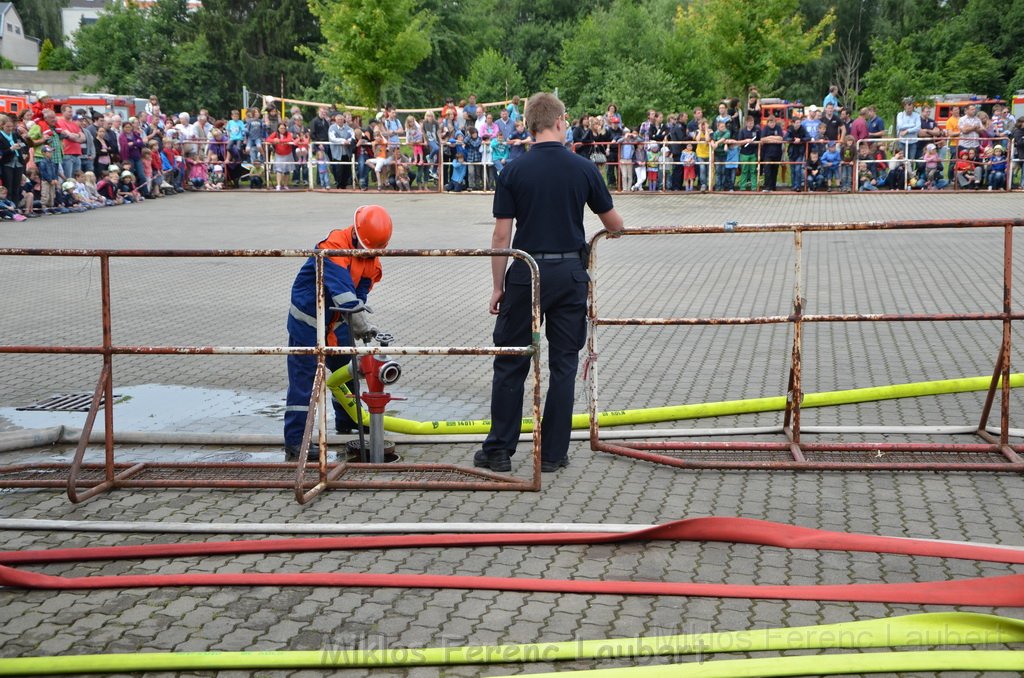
555	255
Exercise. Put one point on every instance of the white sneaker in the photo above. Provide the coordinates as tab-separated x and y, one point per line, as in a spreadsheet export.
278	188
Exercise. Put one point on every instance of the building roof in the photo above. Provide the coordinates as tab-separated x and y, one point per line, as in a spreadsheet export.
86	4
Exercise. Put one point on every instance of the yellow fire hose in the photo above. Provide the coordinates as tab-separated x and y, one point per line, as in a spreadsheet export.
336	383
916	630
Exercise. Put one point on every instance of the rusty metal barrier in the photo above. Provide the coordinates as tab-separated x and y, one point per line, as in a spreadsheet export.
994	454
85	481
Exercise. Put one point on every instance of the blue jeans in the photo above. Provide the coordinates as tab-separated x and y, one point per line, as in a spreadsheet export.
997	180
797	170
71	164
702	172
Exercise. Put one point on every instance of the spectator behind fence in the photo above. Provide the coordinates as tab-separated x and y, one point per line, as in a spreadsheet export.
771	151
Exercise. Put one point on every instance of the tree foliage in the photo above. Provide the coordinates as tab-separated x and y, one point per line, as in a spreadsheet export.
41	19
6	64
763	38
666	54
492	77
371	45
53	58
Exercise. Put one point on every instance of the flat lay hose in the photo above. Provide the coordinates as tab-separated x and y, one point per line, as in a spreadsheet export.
336	384
1003	591
942	628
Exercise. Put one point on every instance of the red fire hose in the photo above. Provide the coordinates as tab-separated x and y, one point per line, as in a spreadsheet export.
1004	591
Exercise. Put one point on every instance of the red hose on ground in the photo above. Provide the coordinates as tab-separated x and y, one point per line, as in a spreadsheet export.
720	529
1005	591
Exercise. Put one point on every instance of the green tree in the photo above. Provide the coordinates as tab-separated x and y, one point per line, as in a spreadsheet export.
532	31
461	32
254	43
112	47
740	45
6	64
898	72
369	44
591	59
41	19
492	77
55	58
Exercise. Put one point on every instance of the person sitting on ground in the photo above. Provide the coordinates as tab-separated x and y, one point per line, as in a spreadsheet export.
8	210
996	169
107	187
127	189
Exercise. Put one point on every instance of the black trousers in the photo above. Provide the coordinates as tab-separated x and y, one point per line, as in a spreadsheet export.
342	173
771	173
563	305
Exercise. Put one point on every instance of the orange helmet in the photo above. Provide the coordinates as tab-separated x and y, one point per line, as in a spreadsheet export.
373	226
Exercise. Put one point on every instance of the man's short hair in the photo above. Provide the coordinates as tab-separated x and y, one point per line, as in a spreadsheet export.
542	111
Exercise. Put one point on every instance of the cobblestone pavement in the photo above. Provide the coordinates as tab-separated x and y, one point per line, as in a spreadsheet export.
443	302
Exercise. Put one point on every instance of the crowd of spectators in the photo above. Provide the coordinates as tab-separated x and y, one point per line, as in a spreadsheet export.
76	160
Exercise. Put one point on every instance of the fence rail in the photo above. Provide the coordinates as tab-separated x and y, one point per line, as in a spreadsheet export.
994	454
85	481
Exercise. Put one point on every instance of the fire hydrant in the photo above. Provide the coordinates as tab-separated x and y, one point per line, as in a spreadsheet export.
379	371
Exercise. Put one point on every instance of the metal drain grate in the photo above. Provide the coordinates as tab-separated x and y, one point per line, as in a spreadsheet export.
67	402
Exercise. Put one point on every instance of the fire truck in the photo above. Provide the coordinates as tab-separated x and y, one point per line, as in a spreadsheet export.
944	103
13	102
1018	104
780	108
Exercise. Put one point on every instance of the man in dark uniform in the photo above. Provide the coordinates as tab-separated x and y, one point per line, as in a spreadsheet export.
544	193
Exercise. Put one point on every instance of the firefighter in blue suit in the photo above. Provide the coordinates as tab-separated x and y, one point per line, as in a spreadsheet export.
347	282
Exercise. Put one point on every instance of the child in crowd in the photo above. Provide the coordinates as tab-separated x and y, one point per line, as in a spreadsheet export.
323	170
499	153
518	141
107	188
720	144
814	174
732	164
830	161
931	175
197	172
996	169
402	182
216	182
8	210
30	191
236	130
639	162
458	174
689	160
127	189
67	198
896	179
880	166
652	165
89	181
472	150
414	138
847	156
380	158
965	177
50	176
627	145
147	174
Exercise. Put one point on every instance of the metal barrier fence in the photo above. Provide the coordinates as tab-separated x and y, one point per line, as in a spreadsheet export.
995	454
99	478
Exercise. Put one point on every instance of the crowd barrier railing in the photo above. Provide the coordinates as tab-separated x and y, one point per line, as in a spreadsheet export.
669	170
86	480
946	171
790	451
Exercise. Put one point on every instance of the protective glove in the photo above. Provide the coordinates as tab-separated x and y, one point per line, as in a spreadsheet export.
360	327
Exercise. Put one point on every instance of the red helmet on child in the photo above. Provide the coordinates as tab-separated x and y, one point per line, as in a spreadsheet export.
373	226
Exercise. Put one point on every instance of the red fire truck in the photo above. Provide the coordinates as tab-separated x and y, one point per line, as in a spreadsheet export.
13	102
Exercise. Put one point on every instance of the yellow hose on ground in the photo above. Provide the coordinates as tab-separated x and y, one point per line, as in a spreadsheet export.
929	629
336	383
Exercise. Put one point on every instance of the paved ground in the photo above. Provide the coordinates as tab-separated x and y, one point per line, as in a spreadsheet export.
442	302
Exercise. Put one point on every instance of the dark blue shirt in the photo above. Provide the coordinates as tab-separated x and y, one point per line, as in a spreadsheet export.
545	191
